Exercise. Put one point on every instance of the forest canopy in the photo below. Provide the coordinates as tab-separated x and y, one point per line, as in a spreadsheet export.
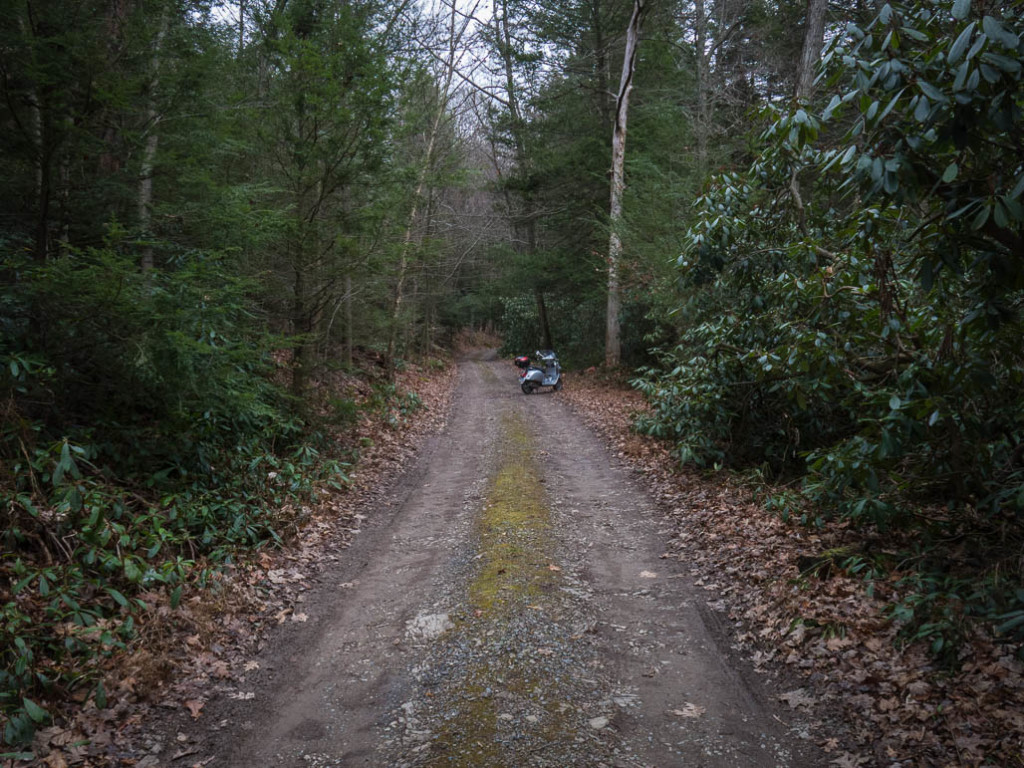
207	209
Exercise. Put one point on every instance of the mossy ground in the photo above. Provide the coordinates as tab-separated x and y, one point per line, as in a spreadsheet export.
514	530
511	612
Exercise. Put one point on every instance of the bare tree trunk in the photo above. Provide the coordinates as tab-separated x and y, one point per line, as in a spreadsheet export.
810	55
241	26
43	156
145	194
306	253
301	357
43	180
545	327
407	240
600	61
612	349
348	321
64	195
454	40
542	308
398	297
703	116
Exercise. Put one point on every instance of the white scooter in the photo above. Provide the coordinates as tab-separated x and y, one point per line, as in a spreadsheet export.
548	374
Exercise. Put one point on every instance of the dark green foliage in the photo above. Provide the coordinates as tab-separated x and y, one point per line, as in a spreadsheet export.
170	362
142	437
574	326
192	219
391	406
562	184
853	304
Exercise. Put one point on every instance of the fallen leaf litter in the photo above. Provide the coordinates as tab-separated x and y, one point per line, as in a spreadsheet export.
880	703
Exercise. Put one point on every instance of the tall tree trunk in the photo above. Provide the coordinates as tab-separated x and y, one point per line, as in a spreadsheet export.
454	40
810	55
600	61
302	356
612	348
241	26
44	173
306	254
42	153
145	193
398	298
701	60
545	327
349	335
542	308
64	196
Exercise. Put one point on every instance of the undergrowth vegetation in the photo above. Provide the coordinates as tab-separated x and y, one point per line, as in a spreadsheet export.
852	311
574	327
145	442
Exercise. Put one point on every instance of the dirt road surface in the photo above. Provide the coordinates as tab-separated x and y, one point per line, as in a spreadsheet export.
508	608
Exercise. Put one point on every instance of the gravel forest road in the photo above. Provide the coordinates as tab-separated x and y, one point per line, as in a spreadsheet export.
508	608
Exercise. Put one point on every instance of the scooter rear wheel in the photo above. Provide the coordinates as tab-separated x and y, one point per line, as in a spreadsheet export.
528	387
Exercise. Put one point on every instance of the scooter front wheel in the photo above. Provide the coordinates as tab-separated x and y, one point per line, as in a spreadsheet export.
558	386
528	387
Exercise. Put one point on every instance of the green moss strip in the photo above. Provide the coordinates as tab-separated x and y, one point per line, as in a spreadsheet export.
514	530
515	576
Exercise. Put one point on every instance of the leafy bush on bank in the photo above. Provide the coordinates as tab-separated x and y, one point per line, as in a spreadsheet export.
852	310
143	442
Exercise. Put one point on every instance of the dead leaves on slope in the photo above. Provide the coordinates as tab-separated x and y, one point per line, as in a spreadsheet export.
899	709
183	658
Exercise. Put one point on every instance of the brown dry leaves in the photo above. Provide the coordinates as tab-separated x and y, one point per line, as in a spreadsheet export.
185	657
899	710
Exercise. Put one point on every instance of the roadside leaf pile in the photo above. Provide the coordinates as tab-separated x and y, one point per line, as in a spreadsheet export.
850	307
187	648
801	606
